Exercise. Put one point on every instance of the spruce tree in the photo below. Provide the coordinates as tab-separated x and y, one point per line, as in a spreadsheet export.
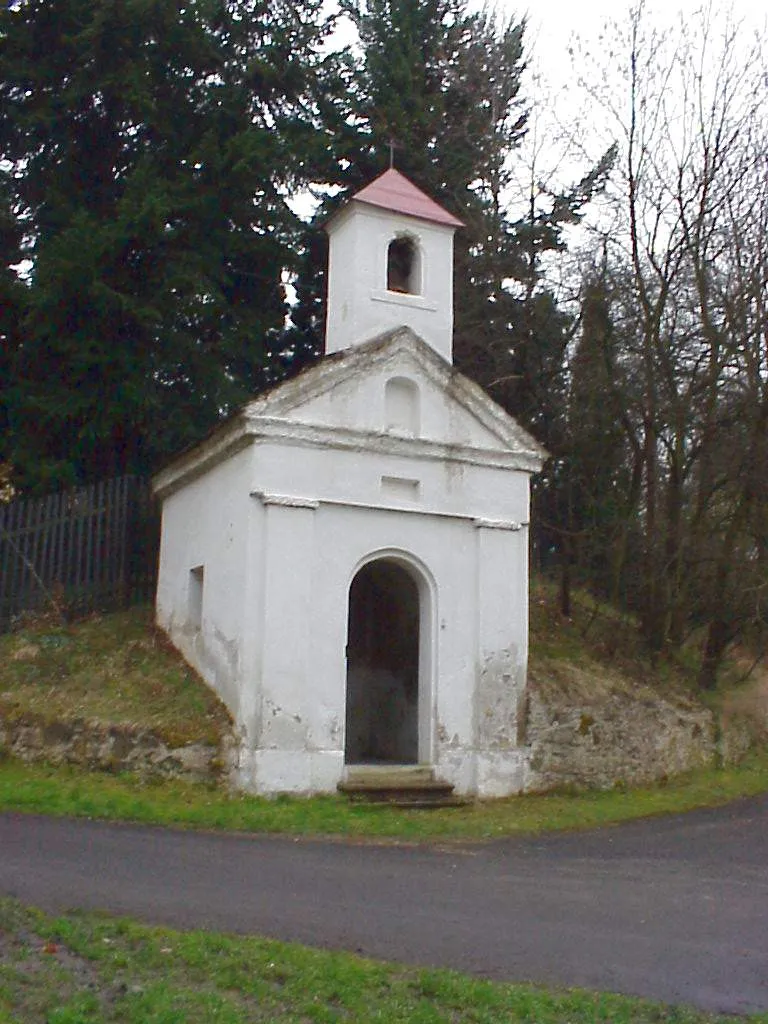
148	146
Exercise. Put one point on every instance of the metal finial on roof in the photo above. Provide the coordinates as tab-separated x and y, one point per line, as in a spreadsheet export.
392	147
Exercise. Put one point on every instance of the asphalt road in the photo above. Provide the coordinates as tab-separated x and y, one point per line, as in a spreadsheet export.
674	909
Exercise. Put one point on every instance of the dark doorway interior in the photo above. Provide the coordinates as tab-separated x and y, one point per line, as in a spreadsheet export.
383	666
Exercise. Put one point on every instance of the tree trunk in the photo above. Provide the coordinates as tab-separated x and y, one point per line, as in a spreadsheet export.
718	638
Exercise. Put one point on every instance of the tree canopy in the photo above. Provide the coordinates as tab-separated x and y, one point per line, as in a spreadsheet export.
147	149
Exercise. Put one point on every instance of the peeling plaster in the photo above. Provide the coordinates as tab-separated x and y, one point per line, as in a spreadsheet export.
496	701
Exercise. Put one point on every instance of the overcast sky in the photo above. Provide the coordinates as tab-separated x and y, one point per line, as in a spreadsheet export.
552	23
561	107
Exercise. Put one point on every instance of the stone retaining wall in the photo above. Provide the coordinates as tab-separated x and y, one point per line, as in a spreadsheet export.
112	748
576	730
584	733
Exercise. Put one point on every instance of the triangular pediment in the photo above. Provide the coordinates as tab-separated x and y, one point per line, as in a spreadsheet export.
351	391
341	402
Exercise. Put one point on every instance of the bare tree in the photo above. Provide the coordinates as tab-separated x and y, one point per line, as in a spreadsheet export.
686	257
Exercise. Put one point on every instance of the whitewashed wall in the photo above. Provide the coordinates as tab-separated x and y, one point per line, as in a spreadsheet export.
209	523
281	536
312	554
286	504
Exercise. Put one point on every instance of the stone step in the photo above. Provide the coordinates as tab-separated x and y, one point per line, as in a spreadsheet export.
389	774
411	786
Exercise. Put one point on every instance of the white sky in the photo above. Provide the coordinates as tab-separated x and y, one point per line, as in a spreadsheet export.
552	23
566	129
556	26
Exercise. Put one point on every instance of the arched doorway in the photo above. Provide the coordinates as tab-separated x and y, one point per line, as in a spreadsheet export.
382	717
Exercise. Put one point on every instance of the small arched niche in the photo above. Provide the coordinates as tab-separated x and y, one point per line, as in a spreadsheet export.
404	266
402	406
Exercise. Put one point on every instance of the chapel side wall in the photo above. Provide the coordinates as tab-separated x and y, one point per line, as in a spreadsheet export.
207	524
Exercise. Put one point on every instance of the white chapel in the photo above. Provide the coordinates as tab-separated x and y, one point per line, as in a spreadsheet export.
345	560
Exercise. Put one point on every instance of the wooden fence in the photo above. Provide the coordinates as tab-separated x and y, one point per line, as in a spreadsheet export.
79	551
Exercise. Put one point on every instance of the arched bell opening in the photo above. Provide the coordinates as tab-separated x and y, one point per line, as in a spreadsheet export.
404	266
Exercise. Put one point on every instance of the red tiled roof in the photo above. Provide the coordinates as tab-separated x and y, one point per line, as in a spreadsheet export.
392	191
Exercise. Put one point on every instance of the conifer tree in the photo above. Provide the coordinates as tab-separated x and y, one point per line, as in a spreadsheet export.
147	147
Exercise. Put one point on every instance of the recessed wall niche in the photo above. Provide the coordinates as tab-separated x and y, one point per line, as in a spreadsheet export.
402	406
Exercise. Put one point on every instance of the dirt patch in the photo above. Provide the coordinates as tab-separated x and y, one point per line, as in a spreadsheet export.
25	652
744	709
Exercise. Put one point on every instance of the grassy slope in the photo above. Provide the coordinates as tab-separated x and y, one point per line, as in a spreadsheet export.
599	641
597	651
118	668
112	668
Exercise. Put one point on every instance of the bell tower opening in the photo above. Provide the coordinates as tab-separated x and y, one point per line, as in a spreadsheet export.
403	266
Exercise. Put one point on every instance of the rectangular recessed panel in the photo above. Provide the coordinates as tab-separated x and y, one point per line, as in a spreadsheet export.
399	489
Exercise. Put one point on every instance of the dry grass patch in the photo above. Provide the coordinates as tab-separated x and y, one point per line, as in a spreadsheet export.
745	702
116	669
602	645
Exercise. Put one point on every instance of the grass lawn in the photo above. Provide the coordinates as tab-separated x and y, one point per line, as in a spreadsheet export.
86	969
68	792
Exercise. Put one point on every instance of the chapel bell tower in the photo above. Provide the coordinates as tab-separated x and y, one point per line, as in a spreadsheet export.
390	265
